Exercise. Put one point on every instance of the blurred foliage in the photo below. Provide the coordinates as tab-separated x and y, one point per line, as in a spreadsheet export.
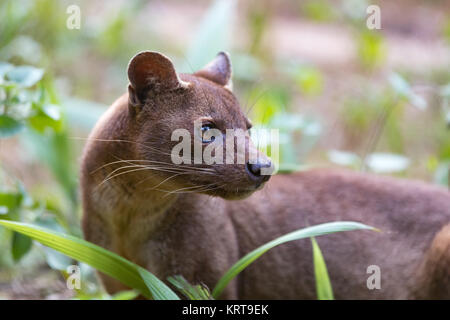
212	30
258	21
29	106
310	81
446	30
319	10
371	48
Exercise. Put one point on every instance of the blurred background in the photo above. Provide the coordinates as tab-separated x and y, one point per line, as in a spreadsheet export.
340	93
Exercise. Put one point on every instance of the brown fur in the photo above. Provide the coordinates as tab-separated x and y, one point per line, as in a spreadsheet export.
201	234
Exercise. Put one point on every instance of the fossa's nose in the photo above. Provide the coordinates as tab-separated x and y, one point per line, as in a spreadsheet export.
256	172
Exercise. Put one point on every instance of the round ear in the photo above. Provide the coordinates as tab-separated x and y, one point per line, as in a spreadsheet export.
218	70
151	72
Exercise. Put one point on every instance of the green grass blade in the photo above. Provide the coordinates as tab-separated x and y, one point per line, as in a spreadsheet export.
101	259
192	292
323	283
313	231
125	295
158	289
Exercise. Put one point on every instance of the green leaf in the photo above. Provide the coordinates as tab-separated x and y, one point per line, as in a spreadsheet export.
9	126
47	116
158	289
103	260
25	76
308	232
323	284
10	202
20	245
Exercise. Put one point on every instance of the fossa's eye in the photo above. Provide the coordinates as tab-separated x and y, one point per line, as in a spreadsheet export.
206	138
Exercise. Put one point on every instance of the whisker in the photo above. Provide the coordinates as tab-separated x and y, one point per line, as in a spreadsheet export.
140	166
173	166
175	170
165	180
130	171
199	188
169	164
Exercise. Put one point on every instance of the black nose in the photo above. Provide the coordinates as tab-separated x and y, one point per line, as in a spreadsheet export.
255	173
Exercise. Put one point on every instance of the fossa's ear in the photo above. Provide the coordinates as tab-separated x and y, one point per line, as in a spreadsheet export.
218	70
151	72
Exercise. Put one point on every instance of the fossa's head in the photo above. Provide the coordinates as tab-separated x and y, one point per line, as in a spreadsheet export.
189	116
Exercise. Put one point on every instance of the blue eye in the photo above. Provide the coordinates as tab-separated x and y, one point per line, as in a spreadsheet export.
207	127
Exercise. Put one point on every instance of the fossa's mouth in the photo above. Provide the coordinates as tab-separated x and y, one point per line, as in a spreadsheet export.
235	193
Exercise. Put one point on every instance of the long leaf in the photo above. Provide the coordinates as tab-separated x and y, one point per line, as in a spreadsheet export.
323	283
313	231
101	259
